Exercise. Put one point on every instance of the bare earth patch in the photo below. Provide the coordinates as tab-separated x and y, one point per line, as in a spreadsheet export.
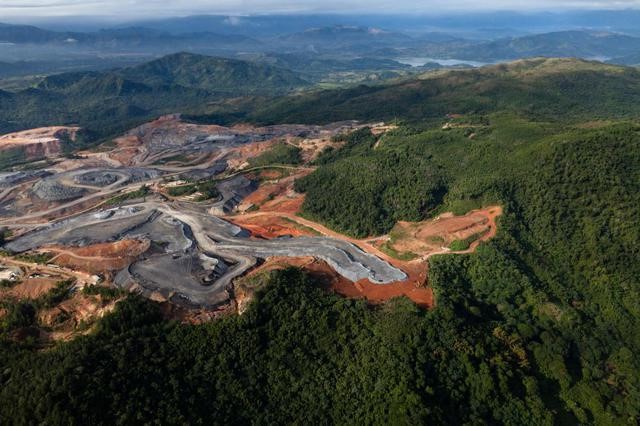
99	258
276	196
74	311
422	239
271	226
434	236
42	135
32	288
40	142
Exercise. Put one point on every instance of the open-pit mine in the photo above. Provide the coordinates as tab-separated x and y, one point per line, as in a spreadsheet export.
178	212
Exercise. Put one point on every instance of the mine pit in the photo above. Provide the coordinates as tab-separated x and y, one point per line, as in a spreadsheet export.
189	249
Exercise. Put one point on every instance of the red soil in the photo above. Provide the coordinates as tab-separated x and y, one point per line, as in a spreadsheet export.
269	224
99	258
414	288
239	156
277	196
288	204
270	174
31	288
314	266
124	155
269	227
434	236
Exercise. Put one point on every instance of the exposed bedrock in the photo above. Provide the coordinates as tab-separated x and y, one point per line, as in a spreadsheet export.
346	258
232	192
108	225
11	179
104	177
199	174
52	190
97	178
189	277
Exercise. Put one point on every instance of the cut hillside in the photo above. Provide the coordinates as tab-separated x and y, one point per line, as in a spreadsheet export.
36	143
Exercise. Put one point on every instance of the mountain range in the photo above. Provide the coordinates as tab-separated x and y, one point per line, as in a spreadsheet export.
26	50
110	99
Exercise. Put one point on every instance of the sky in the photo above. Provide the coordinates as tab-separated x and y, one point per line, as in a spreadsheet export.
123	9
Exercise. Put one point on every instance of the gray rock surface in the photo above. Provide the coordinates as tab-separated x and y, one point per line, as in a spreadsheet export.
195	256
52	190
11	179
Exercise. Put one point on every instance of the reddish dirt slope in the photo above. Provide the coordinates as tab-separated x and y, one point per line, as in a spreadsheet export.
31	288
415	236
99	258
414	288
38	143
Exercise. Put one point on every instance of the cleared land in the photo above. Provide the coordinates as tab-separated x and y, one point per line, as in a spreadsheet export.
147	226
42	135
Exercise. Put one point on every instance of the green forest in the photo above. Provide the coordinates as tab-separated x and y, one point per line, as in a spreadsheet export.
561	278
281	153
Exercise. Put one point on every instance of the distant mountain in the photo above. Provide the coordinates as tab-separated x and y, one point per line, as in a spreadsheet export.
340	47
629	60
17	68
29	34
144	37
214	74
115	99
345	34
336	38
485	25
579	44
436	37
128	37
276	25
104	85
33	69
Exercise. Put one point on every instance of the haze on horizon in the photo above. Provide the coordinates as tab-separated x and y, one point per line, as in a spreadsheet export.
123	10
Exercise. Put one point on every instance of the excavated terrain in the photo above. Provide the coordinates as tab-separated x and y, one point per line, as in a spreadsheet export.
38	143
168	137
137	216
194	255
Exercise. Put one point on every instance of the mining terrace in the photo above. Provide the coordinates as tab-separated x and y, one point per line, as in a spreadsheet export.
178	212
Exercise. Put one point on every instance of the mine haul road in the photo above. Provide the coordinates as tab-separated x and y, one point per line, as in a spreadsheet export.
212	236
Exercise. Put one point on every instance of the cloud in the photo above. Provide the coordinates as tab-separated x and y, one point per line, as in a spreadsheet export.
234	21
137	8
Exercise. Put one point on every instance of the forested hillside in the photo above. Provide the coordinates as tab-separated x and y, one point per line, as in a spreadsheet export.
110	102
554	89
562	279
